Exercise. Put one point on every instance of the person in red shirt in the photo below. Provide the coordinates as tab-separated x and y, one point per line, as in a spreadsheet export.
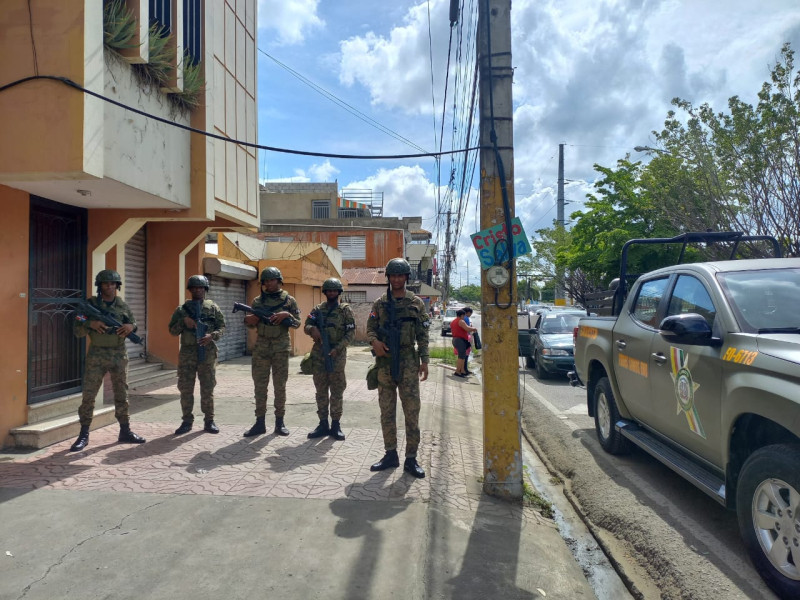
461	331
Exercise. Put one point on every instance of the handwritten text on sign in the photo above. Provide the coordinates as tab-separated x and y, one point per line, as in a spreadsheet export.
485	242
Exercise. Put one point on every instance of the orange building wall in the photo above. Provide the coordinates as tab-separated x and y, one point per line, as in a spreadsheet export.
168	240
382	245
43	118
14	251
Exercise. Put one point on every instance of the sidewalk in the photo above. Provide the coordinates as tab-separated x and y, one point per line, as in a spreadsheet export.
226	517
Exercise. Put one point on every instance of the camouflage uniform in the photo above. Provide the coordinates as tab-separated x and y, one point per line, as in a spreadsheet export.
188	365
107	354
271	351
414	322
340	325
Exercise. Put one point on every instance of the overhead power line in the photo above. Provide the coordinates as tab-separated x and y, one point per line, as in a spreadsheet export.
338	101
68	82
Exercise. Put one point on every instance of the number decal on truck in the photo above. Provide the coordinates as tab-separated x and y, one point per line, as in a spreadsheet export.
741	357
685	387
633	364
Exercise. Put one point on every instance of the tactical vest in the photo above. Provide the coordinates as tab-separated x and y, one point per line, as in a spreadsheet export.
272	304
189	336
118	310
406	315
334	322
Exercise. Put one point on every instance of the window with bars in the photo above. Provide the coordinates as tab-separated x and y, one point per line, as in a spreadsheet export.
354	297
193	30
161	14
320	209
352	247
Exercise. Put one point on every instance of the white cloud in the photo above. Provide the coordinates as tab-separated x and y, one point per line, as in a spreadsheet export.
292	20
323	173
407	191
396	70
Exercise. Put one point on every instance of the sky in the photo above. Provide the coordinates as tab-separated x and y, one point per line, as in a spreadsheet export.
596	76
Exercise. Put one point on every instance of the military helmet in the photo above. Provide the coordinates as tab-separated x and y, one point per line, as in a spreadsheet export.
107	275
198	281
398	266
271	273
332	284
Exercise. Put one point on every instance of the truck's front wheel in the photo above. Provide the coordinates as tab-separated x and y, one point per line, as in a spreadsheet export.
605	417
768	507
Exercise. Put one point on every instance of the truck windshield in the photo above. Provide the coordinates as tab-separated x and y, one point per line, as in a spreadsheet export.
764	301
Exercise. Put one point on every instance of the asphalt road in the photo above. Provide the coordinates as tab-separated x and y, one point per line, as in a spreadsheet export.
656	525
667	538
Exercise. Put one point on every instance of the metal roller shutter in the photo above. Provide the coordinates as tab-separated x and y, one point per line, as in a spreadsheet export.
135	287
225	292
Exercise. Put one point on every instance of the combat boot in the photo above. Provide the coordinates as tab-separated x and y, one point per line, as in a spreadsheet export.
336	431
82	441
280	427
256	429
411	466
128	437
389	461
210	426
186	427
321	430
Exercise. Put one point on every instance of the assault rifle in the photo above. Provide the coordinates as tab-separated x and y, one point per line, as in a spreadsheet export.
201	329
391	332
86	312
326	343
261	313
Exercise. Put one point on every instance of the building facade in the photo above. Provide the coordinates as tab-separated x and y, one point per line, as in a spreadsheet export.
105	163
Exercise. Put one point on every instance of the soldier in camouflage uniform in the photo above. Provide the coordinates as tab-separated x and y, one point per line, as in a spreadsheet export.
183	323
340	326
271	352
107	354
413	323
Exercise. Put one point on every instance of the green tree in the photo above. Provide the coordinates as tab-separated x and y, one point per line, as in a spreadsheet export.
619	210
738	170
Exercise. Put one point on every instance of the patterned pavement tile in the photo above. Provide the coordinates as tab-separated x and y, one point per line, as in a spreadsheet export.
270	465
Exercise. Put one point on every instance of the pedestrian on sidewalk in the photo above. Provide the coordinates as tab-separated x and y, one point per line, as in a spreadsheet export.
468	321
461	331
398	321
107	354
279	312
332	327
200	323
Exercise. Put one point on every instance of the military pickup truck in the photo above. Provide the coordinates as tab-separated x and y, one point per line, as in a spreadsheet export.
699	365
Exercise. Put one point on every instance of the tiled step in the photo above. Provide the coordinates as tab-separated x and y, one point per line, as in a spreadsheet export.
57	420
51	431
164	376
141	367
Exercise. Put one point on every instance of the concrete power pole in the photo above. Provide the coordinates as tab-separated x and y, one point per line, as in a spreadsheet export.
447	263
502	449
559	288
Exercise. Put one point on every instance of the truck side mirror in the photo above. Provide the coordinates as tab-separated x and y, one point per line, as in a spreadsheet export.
689	328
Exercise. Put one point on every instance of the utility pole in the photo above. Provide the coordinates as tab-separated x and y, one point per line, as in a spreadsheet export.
447	261
559	299
502	448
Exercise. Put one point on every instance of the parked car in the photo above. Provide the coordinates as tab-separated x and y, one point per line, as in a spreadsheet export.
525	322
553	344
449	317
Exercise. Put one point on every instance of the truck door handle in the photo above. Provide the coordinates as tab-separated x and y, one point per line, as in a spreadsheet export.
659	358
621	344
